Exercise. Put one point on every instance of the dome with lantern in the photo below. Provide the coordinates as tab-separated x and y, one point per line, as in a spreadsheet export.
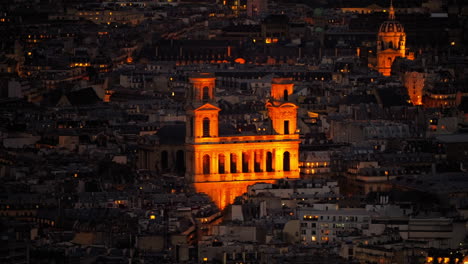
391	25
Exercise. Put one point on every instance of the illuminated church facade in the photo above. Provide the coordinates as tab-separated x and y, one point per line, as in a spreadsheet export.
391	43
222	166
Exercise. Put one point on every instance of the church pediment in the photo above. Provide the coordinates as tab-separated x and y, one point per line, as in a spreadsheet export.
208	107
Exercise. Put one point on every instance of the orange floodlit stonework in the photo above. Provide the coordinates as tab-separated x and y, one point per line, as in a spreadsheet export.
391	43
281	88
224	193
414	83
223	166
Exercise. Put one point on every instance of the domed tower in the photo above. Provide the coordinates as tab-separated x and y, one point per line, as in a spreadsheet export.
391	43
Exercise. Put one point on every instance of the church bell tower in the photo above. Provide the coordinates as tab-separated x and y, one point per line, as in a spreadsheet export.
282	113
202	113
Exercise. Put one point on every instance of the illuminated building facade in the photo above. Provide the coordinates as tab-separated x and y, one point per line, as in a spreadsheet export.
223	166
103	16
391	43
236	5
414	83
443	98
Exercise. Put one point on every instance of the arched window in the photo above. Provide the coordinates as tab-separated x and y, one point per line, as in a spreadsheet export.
245	162
286	95
206	93
164	160
206	164
221	163
390	44
233	163
286	161
206	127
269	162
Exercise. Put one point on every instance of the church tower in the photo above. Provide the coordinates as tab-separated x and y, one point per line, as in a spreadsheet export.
282	113
202	113
391	43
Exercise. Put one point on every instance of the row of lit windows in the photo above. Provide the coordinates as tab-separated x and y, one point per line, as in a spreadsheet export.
270	40
333	218
314	238
92	13
440	96
324	225
80	65
40	36
314	164
442	260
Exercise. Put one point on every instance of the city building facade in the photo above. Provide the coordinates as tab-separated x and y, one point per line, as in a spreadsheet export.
224	165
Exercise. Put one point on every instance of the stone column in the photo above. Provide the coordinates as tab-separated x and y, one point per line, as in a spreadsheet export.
214	163
278	160
239	161
198	163
263	160
227	162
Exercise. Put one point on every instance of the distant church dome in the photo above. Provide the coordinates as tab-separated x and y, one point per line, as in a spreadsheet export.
391	42
391	26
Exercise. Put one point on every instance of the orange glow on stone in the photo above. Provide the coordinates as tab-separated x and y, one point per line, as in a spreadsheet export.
224	193
279	86
223	167
240	61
